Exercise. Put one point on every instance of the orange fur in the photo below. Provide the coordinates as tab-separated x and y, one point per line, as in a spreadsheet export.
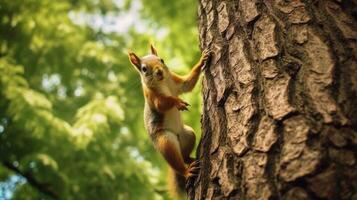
186	83
177	78
160	102
175	185
171	153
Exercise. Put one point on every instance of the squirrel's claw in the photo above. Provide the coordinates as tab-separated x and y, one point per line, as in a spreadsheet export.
206	55
182	105
195	163
193	170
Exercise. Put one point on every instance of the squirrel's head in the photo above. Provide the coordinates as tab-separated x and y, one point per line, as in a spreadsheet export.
151	67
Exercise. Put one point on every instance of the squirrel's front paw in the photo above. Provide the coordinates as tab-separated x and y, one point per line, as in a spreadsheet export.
206	54
181	105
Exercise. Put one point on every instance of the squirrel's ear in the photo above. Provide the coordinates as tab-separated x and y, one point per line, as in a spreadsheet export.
135	60
153	50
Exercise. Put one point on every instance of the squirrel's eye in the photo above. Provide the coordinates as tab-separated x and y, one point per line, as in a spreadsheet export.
144	69
162	61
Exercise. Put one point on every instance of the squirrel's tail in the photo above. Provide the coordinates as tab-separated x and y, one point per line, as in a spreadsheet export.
176	185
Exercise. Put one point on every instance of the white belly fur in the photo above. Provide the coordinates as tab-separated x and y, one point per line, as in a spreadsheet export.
173	121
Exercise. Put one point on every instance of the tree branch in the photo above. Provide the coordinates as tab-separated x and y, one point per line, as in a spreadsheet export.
42	187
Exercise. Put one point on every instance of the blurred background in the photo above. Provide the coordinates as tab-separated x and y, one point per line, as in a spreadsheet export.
71	105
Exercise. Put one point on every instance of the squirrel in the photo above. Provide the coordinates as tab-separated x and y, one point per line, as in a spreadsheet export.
162	119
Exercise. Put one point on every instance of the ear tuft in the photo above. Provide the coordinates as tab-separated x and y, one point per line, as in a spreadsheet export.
135	60
153	50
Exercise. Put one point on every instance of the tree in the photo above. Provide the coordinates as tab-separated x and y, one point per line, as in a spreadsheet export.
280	114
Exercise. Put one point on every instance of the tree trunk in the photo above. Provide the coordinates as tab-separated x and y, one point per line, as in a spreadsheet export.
280	115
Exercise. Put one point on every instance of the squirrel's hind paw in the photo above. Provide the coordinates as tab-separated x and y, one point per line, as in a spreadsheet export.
193	169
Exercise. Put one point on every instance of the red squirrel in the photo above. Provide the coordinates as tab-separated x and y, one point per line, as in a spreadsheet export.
161	88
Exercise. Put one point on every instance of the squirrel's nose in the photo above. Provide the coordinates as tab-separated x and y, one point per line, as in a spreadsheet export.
159	72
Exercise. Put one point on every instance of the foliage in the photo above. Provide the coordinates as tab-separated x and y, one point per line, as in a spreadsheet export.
71	106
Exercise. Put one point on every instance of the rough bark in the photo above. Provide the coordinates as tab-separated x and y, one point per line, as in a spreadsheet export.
280	100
